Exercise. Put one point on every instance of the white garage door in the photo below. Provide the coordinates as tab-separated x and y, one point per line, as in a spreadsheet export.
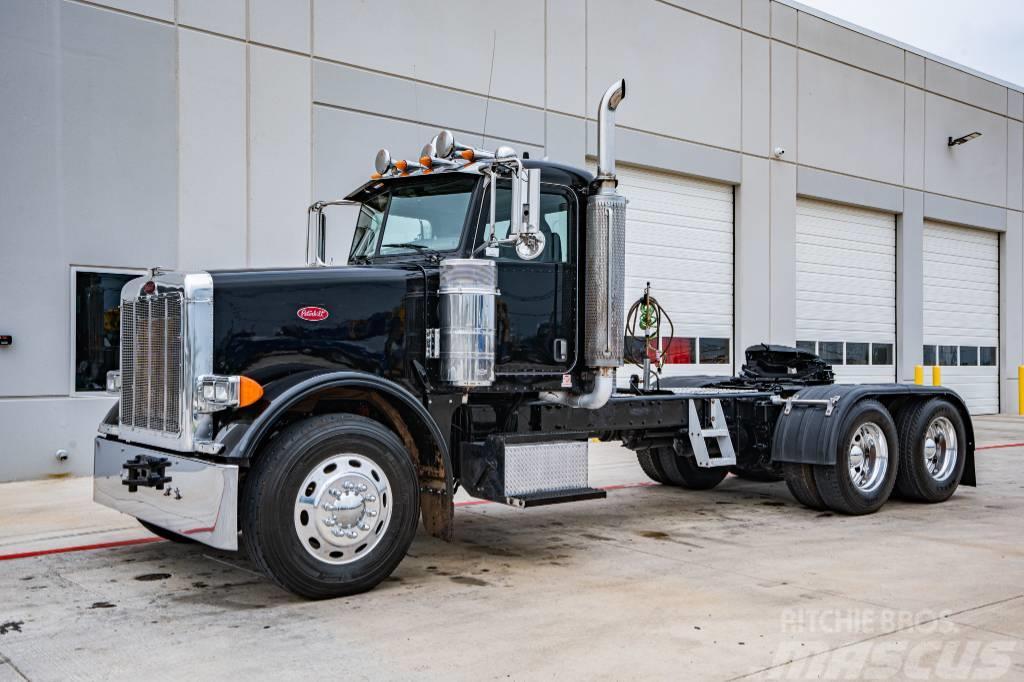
961	311
679	237
846	289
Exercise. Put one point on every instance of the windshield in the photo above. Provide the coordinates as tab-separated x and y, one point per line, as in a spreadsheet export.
422	217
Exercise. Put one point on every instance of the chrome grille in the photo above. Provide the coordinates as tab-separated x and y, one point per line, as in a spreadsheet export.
152	362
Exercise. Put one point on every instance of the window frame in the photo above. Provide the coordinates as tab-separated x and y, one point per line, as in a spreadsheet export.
73	271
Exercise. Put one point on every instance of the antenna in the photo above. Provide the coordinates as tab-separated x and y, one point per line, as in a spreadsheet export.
490	81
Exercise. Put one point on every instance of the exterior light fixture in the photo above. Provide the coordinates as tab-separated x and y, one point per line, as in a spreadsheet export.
960	140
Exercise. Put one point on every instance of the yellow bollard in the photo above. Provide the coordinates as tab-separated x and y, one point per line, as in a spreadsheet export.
936	376
918	374
1020	390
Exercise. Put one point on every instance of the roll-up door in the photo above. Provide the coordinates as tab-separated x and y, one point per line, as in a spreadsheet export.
961	311
679	237
846	289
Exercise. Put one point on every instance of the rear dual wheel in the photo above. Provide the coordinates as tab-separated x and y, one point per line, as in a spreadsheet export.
932	453
664	466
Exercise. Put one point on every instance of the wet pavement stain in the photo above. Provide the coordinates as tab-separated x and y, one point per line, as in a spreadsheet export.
102	605
773	504
11	626
655	534
148	577
595	536
467	580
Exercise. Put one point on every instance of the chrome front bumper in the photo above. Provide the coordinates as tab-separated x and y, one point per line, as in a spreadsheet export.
200	501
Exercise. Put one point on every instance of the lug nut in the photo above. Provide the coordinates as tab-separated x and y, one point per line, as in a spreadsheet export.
371	512
335	492
330	522
370	498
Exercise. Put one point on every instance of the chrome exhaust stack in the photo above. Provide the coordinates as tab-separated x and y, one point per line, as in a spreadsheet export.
604	304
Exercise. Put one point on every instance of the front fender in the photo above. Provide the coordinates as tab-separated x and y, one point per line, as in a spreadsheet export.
242	438
807	436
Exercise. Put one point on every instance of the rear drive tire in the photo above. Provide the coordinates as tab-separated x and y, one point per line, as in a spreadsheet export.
932	451
867	459
330	506
683	472
758	475
800	481
649	463
166	534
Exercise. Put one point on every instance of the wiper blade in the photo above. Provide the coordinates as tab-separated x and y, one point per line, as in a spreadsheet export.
407	245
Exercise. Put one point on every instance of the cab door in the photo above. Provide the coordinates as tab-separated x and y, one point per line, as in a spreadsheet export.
536	305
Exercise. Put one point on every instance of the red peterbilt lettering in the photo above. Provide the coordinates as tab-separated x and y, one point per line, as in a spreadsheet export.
313	313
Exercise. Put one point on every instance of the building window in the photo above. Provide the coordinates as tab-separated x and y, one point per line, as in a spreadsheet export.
968	356
97	326
831	352
929	355
808	346
881	354
679	350
948	356
857	353
987	355
714	351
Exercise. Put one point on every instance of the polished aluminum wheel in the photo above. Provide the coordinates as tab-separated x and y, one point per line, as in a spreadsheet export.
342	509
940	449
869	457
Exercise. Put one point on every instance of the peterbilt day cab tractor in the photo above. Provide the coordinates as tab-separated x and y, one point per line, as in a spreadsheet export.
473	339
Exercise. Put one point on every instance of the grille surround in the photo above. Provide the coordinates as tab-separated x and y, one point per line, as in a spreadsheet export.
166	343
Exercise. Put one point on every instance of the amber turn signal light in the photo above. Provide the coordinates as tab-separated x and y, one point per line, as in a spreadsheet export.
425	160
401	165
467	154
249	391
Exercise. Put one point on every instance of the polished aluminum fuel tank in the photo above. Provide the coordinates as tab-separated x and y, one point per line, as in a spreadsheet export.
467	310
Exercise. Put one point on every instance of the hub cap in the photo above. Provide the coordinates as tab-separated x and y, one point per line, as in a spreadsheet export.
869	457
940	451
342	509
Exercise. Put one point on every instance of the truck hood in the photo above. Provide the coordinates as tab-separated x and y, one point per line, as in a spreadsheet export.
271	323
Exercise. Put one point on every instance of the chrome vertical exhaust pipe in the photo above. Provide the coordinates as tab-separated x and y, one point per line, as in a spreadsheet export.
606	134
604	305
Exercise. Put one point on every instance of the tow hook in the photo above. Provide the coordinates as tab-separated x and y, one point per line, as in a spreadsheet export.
145	471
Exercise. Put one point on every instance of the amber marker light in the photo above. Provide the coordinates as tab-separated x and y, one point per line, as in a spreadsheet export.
401	165
376	176
426	161
467	154
249	391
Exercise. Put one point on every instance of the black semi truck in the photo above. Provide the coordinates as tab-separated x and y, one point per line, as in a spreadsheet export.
473	340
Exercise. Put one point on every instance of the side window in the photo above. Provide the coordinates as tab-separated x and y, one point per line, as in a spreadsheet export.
554	224
97	326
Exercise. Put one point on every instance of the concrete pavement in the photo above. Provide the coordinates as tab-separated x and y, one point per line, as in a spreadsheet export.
739	582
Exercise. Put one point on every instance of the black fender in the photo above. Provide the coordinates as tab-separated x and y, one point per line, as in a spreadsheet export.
244	436
808	436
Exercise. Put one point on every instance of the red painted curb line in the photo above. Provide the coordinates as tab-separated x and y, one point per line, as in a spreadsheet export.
1001	445
79	548
146	541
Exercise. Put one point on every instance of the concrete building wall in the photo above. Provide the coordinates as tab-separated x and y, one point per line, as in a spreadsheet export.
193	134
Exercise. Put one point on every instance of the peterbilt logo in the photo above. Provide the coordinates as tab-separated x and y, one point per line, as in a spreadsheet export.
313	313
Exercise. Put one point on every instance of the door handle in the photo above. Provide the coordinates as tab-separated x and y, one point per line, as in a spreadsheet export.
561	350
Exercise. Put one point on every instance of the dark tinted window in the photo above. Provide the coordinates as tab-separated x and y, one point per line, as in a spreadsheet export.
806	345
988	356
831	352
857	353
929	355
714	351
968	355
881	354
947	356
97	327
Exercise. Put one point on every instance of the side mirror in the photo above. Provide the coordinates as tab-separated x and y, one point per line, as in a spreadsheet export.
525	216
316	232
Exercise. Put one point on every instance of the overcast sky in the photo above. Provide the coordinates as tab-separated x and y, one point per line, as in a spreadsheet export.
986	35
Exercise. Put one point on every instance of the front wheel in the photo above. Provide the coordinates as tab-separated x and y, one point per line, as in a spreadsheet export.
867	458
330	506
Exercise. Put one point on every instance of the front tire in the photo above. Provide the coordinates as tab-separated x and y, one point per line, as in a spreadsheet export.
867	459
330	506
932	457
